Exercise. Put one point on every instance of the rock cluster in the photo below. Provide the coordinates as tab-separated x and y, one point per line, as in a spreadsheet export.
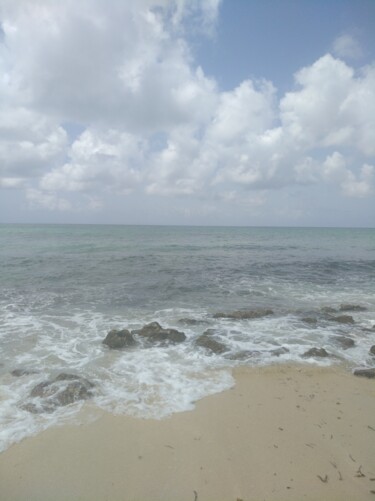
63	390
244	314
152	334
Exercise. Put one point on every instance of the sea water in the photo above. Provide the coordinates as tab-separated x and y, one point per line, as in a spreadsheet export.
64	287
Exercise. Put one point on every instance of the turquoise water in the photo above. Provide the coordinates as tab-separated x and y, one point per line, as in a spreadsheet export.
63	287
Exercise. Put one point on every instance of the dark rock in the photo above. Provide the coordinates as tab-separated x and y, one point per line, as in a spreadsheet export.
43	389
316	352
117	339
243	355
64	376
279	351
371	329
328	309
206	341
210	332
352	307
310	320
244	314
155	333
65	389
372	350
343	319
369	373
23	372
191	321
344	341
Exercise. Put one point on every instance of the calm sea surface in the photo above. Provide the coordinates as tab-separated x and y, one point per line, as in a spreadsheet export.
64	287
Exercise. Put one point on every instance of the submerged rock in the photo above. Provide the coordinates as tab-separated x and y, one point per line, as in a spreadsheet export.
243	355
343	319
369	373
344	341
316	352
310	320
206	341
65	389
328	309
279	351
244	314
154	333
23	372
117	339
191	321
352	307
372	350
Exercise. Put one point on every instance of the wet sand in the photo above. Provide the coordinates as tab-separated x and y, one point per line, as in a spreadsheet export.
283	433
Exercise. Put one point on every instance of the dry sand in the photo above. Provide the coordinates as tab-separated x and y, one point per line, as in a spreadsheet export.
283	433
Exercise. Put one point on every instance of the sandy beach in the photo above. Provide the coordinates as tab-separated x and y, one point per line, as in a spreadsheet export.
282	433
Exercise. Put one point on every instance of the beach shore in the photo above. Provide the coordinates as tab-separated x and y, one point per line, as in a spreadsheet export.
282	433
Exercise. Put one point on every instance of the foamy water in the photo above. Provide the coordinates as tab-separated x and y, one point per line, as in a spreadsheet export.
63	288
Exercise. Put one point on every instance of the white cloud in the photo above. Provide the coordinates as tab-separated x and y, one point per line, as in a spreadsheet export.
335	170
11	182
153	122
49	201
30	143
99	160
118	66
346	46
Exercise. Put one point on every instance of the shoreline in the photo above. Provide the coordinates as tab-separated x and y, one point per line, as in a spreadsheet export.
284	432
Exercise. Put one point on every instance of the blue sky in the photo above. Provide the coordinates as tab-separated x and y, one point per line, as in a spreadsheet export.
274	38
233	112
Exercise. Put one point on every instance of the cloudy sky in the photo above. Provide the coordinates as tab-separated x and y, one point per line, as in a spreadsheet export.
232	112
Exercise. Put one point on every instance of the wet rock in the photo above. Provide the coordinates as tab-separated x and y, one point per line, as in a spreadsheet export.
371	329
23	372
343	319
279	351
117	339
65	389
191	321
244	314
37	408
369	373
352	307
310	320
372	350
206	341
316	352
344	341
243	355
328	309
154	333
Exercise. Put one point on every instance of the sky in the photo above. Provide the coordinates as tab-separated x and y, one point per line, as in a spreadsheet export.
188	112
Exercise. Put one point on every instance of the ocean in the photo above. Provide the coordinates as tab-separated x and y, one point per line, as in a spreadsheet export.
262	295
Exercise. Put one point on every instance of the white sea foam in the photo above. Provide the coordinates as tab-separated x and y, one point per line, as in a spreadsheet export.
56	308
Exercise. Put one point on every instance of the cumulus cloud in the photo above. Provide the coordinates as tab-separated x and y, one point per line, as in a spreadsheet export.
335	169
29	144
154	123
120	66
97	160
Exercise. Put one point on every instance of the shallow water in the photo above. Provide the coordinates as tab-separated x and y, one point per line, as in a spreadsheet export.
63	287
